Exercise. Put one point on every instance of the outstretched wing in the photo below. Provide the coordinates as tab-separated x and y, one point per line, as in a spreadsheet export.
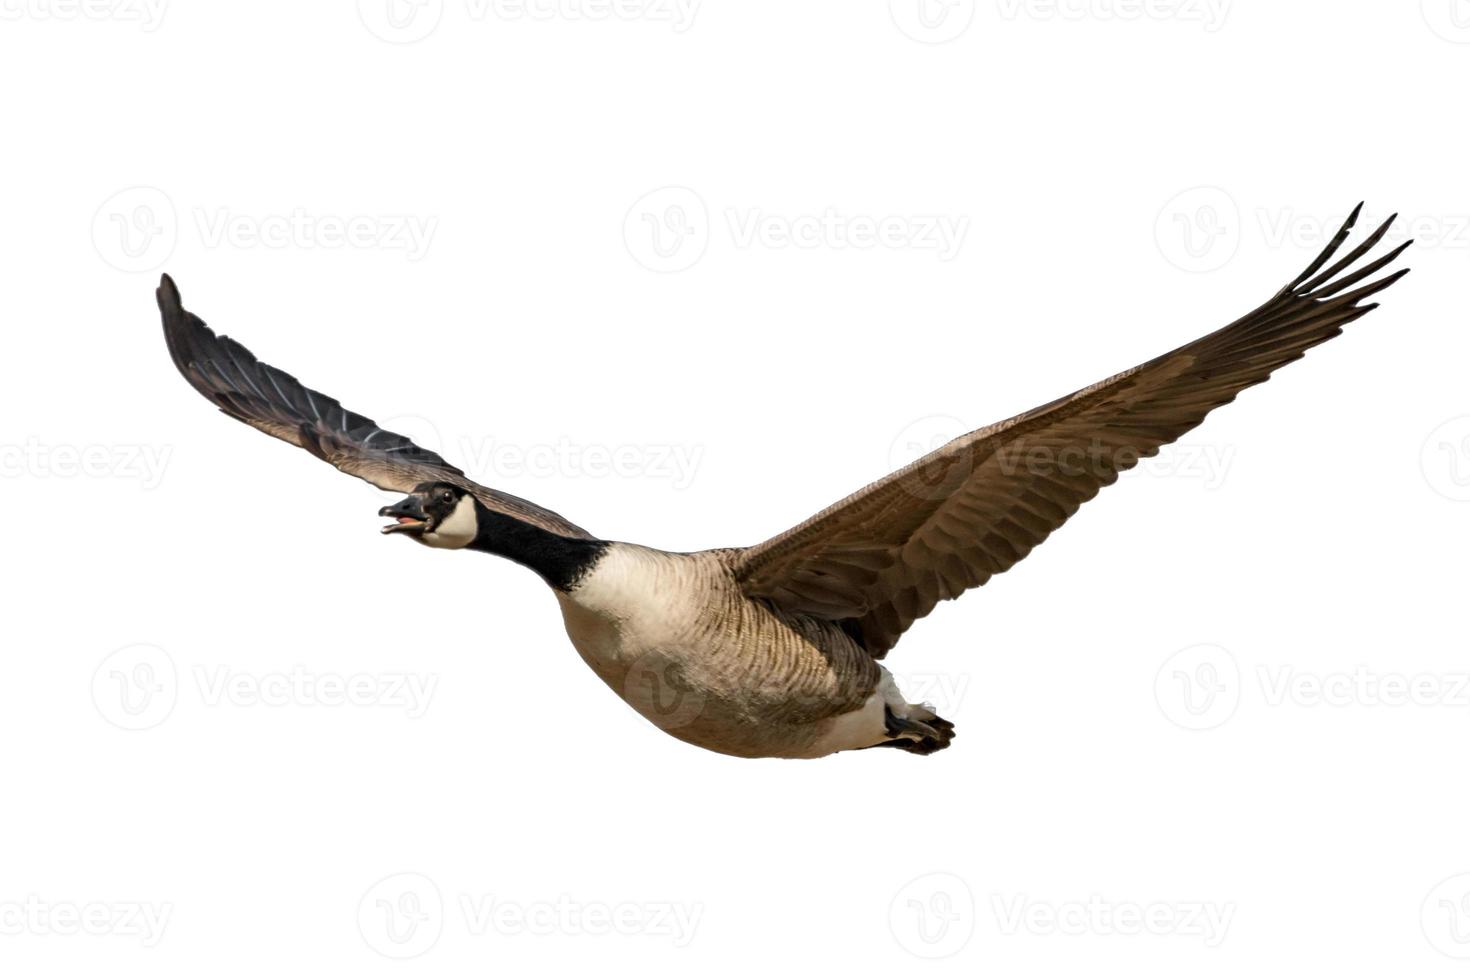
883	557
274	402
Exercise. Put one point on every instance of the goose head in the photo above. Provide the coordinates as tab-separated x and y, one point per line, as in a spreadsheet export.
439	515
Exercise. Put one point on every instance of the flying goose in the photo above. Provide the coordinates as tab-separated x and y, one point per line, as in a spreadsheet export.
774	650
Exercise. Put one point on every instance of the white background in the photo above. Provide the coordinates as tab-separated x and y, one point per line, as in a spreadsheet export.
1126	178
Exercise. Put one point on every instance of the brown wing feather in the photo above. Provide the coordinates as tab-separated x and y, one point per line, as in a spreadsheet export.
883	557
246	388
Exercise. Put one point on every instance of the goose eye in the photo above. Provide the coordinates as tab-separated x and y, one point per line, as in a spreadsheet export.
446	495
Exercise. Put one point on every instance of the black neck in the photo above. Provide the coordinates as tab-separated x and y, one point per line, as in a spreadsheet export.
559	560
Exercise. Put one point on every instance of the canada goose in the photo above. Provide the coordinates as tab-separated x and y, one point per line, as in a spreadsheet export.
773	650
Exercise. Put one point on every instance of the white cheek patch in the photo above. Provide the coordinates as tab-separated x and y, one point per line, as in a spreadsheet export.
458	529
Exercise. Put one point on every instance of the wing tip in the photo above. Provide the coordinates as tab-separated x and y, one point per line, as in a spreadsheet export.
169	300
1339	277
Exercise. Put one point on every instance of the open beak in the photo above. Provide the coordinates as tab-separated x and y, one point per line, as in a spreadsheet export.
410	516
